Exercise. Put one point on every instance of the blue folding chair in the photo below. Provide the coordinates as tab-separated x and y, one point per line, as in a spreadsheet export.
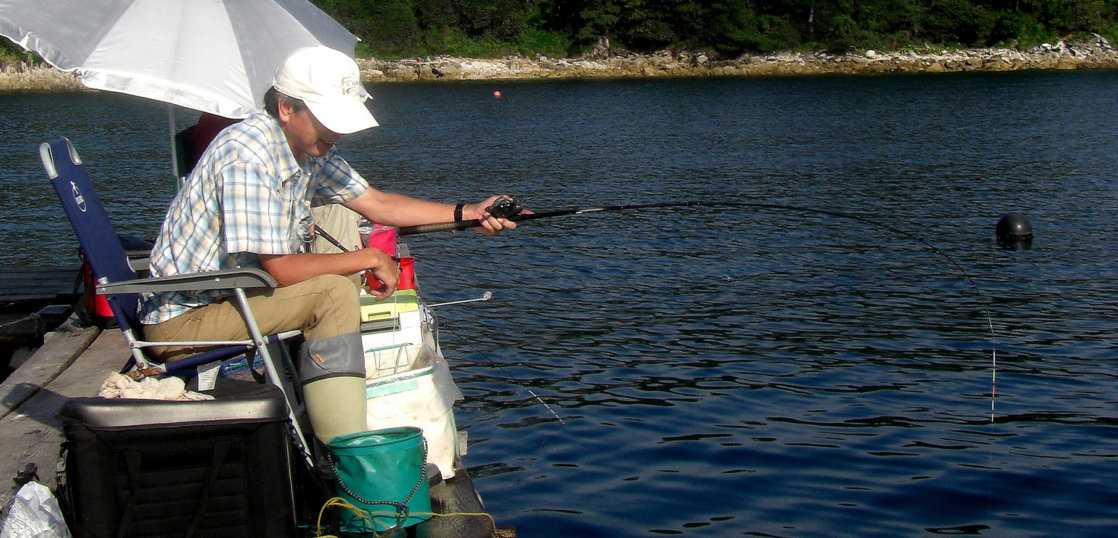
117	281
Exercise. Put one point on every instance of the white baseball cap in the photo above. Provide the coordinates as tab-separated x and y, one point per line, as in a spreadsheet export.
329	82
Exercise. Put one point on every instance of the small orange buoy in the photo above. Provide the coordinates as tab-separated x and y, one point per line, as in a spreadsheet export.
497	95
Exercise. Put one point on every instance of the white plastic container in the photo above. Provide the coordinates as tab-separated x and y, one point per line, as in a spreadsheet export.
411	386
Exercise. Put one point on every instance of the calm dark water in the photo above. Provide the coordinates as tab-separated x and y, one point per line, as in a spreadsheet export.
733	371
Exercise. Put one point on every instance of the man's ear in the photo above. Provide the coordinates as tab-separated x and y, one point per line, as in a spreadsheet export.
285	110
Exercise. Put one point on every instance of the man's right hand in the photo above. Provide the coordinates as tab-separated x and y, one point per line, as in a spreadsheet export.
381	278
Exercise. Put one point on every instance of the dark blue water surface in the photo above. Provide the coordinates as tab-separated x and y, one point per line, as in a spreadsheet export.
732	371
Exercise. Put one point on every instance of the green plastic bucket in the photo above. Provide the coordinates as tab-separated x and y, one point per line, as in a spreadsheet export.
384	474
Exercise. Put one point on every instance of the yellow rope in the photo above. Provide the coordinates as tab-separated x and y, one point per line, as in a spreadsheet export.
367	515
461	514
338	501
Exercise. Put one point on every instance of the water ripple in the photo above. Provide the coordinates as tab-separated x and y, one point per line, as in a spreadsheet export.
739	370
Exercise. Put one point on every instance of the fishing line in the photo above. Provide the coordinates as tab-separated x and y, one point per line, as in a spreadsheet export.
509	209
485	297
36	317
508	376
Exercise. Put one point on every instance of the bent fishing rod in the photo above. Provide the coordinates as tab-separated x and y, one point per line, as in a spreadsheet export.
510	209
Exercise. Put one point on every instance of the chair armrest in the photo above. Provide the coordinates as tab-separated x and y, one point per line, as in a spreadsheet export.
249	277
138	263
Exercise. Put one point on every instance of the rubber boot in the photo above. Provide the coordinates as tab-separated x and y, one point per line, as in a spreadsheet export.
333	375
336	406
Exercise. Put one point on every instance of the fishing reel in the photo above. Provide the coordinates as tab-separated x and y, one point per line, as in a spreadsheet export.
505	208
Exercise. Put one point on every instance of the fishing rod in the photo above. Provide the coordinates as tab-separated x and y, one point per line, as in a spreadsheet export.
510	209
329	238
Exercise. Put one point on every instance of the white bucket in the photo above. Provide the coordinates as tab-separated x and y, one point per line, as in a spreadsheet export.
411	386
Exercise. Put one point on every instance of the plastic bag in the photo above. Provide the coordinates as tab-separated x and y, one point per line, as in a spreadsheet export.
35	514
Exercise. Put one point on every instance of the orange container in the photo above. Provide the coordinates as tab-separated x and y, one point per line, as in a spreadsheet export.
407	274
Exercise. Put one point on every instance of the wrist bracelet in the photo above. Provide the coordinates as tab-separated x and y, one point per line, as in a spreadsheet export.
458	212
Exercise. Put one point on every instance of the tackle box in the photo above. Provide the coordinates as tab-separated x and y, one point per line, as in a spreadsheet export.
398	303
394	321
221	467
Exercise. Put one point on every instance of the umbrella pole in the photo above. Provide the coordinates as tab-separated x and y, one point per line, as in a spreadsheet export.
174	146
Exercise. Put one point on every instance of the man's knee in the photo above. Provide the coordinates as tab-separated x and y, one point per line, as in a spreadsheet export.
336	307
339	356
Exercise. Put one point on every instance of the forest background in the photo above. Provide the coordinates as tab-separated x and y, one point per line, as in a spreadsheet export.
720	28
393	29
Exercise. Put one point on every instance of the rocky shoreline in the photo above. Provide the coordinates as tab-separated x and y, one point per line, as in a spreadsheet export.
1094	53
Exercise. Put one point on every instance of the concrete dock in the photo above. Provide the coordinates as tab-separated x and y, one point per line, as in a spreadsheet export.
74	361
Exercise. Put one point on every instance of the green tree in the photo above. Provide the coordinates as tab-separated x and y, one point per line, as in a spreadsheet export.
646	24
958	21
598	18
386	27
435	14
1068	16
732	28
503	21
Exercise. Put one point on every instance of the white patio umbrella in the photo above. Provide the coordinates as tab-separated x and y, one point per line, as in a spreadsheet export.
216	56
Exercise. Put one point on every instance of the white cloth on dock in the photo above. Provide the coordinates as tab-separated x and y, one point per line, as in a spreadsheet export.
148	388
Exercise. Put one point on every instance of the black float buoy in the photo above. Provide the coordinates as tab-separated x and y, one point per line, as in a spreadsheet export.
1014	229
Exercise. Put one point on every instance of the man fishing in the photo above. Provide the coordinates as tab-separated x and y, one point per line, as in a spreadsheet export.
248	202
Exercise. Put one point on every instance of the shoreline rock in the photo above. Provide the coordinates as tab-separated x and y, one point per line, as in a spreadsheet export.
1094	53
21	76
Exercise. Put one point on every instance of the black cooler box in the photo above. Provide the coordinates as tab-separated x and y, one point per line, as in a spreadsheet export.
157	468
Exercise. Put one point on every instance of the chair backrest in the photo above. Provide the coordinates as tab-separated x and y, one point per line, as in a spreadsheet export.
98	241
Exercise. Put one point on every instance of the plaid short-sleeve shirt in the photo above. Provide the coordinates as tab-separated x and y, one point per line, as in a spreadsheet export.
247	196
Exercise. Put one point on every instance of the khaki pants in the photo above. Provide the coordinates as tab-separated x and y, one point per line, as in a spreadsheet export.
341	223
322	307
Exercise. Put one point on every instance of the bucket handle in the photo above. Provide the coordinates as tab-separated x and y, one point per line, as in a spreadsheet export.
402	510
